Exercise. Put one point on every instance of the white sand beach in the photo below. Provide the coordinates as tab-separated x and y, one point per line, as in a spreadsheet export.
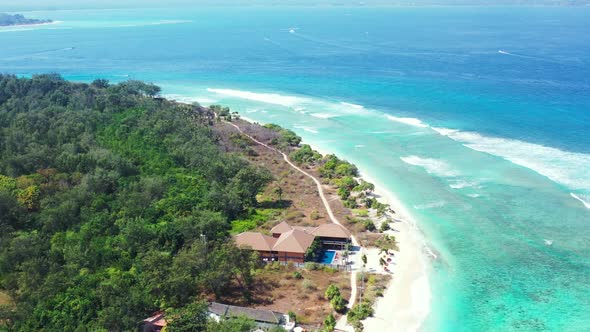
406	302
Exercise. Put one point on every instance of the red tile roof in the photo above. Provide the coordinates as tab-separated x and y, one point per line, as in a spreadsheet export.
256	241
294	241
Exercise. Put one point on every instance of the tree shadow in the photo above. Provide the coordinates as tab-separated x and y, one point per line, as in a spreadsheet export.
282	204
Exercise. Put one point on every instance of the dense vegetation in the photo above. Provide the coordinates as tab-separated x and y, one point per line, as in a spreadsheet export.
113	204
18	19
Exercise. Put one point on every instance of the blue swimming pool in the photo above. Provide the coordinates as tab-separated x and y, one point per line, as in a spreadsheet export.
328	257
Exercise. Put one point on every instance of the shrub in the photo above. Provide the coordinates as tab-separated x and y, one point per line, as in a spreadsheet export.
369	225
359	312
344	193
305	155
274	266
315	215
308	285
384	226
361	213
311	266
297	275
338	303
329	323
330	269
294	215
332	291
357	326
350	203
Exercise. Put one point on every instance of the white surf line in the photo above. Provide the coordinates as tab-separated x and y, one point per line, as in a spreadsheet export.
353	288
586	204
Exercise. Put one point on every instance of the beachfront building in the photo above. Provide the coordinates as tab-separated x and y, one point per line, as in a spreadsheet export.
290	246
332	236
264	318
290	243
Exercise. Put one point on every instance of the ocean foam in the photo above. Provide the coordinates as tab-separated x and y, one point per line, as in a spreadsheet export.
431	205
186	99
432	166
586	203
269	98
444	131
409	121
458	184
355	106
324	115
567	168
306	128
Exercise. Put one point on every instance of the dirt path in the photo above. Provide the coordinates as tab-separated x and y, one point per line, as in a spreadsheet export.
353	288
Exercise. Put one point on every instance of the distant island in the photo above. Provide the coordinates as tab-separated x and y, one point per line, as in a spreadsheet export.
18	19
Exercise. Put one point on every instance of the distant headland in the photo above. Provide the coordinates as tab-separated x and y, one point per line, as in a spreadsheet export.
18	19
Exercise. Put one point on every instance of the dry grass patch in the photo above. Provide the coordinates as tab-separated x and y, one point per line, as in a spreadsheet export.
375	285
5	299
282	289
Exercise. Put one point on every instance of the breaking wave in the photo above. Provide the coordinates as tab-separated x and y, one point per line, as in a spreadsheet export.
431	205
323	115
188	99
567	168
586	203
432	166
306	128
409	121
358	107
269	98
458	184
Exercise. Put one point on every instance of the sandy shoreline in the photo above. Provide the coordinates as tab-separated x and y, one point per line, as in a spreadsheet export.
405	304
406	301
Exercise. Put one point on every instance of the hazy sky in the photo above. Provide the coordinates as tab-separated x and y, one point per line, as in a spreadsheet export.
21	5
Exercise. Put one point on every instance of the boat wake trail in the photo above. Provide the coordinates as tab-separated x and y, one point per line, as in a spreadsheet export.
323	42
526	56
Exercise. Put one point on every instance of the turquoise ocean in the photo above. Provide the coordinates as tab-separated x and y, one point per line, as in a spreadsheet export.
477	118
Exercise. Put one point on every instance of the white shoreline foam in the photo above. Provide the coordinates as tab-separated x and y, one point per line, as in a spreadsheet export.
269	98
586	204
409	121
188	99
432	166
358	107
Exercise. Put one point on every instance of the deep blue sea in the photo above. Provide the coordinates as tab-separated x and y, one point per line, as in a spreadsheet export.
477	118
